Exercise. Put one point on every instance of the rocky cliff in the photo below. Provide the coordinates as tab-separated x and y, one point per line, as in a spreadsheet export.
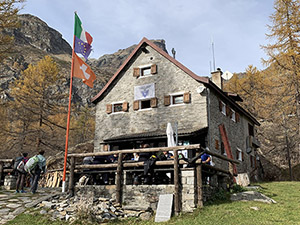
35	39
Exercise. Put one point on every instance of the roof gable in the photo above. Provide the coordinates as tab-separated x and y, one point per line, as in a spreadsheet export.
142	43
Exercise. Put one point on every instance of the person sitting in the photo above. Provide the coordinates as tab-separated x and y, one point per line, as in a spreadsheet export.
205	158
168	155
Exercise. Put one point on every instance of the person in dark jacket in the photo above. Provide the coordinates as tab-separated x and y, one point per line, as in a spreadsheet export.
21	175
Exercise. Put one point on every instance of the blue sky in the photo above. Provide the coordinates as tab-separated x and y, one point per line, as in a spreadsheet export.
237	27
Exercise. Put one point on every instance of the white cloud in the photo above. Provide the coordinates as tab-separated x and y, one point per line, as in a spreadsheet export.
238	27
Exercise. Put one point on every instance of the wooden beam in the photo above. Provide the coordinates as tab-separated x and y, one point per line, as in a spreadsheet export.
199	186
126	151
176	184
6	160
119	179
71	177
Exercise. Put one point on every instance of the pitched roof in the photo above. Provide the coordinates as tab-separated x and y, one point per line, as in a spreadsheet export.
205	80
159	50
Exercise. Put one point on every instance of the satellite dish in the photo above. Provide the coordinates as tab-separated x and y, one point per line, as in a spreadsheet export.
227	75
200	89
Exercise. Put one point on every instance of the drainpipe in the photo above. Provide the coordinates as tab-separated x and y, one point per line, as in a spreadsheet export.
208	118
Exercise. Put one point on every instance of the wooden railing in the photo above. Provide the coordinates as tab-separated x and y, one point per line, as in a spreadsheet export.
120	165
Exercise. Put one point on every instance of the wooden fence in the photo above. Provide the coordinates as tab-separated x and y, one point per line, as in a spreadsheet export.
121	165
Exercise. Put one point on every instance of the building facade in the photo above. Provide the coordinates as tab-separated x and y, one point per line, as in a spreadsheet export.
152	89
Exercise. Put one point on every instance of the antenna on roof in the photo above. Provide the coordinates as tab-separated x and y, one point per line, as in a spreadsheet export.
173	52
213	54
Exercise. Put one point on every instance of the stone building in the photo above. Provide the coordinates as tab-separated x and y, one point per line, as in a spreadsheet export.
152	89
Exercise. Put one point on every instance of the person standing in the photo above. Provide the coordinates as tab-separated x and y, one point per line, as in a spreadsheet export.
37	170
21	174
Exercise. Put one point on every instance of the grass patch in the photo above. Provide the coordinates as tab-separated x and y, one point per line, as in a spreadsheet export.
223	211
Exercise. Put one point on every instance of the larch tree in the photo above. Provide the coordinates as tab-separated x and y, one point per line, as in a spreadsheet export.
38	101
8	20
284	58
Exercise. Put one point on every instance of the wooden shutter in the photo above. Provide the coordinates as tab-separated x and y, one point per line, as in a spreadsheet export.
136	105
217	144
220	105
186	97
228	110
237	117
125	106
136	72
167	100
109	108
153	69
153	102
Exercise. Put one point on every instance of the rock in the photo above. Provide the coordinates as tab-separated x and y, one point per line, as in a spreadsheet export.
43	212
48	205
254	208
13	205
251	196
145	215
18	211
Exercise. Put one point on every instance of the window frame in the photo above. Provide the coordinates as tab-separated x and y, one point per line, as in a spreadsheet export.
223	111
240	154
144	100
177	94
233	115
113	107
143	68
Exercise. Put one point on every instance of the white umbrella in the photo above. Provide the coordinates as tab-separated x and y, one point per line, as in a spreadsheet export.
170	135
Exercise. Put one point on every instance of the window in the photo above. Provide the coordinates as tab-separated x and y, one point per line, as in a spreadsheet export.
117	107
251	130
233	115
145	104
223	108
177	99
143	71
146	71
239	154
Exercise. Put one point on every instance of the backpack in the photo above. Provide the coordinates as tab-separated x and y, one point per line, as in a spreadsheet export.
31	163
17	162
20	167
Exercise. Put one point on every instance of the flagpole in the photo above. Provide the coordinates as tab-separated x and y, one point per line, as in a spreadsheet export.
68	121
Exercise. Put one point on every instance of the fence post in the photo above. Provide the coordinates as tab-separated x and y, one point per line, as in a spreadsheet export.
71	178
199	186
119	179
1	171
176	183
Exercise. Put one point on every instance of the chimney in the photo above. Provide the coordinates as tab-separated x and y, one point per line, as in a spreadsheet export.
216	77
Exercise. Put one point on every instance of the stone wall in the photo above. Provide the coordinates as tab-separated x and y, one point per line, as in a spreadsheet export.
236	132
169	79
143	197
